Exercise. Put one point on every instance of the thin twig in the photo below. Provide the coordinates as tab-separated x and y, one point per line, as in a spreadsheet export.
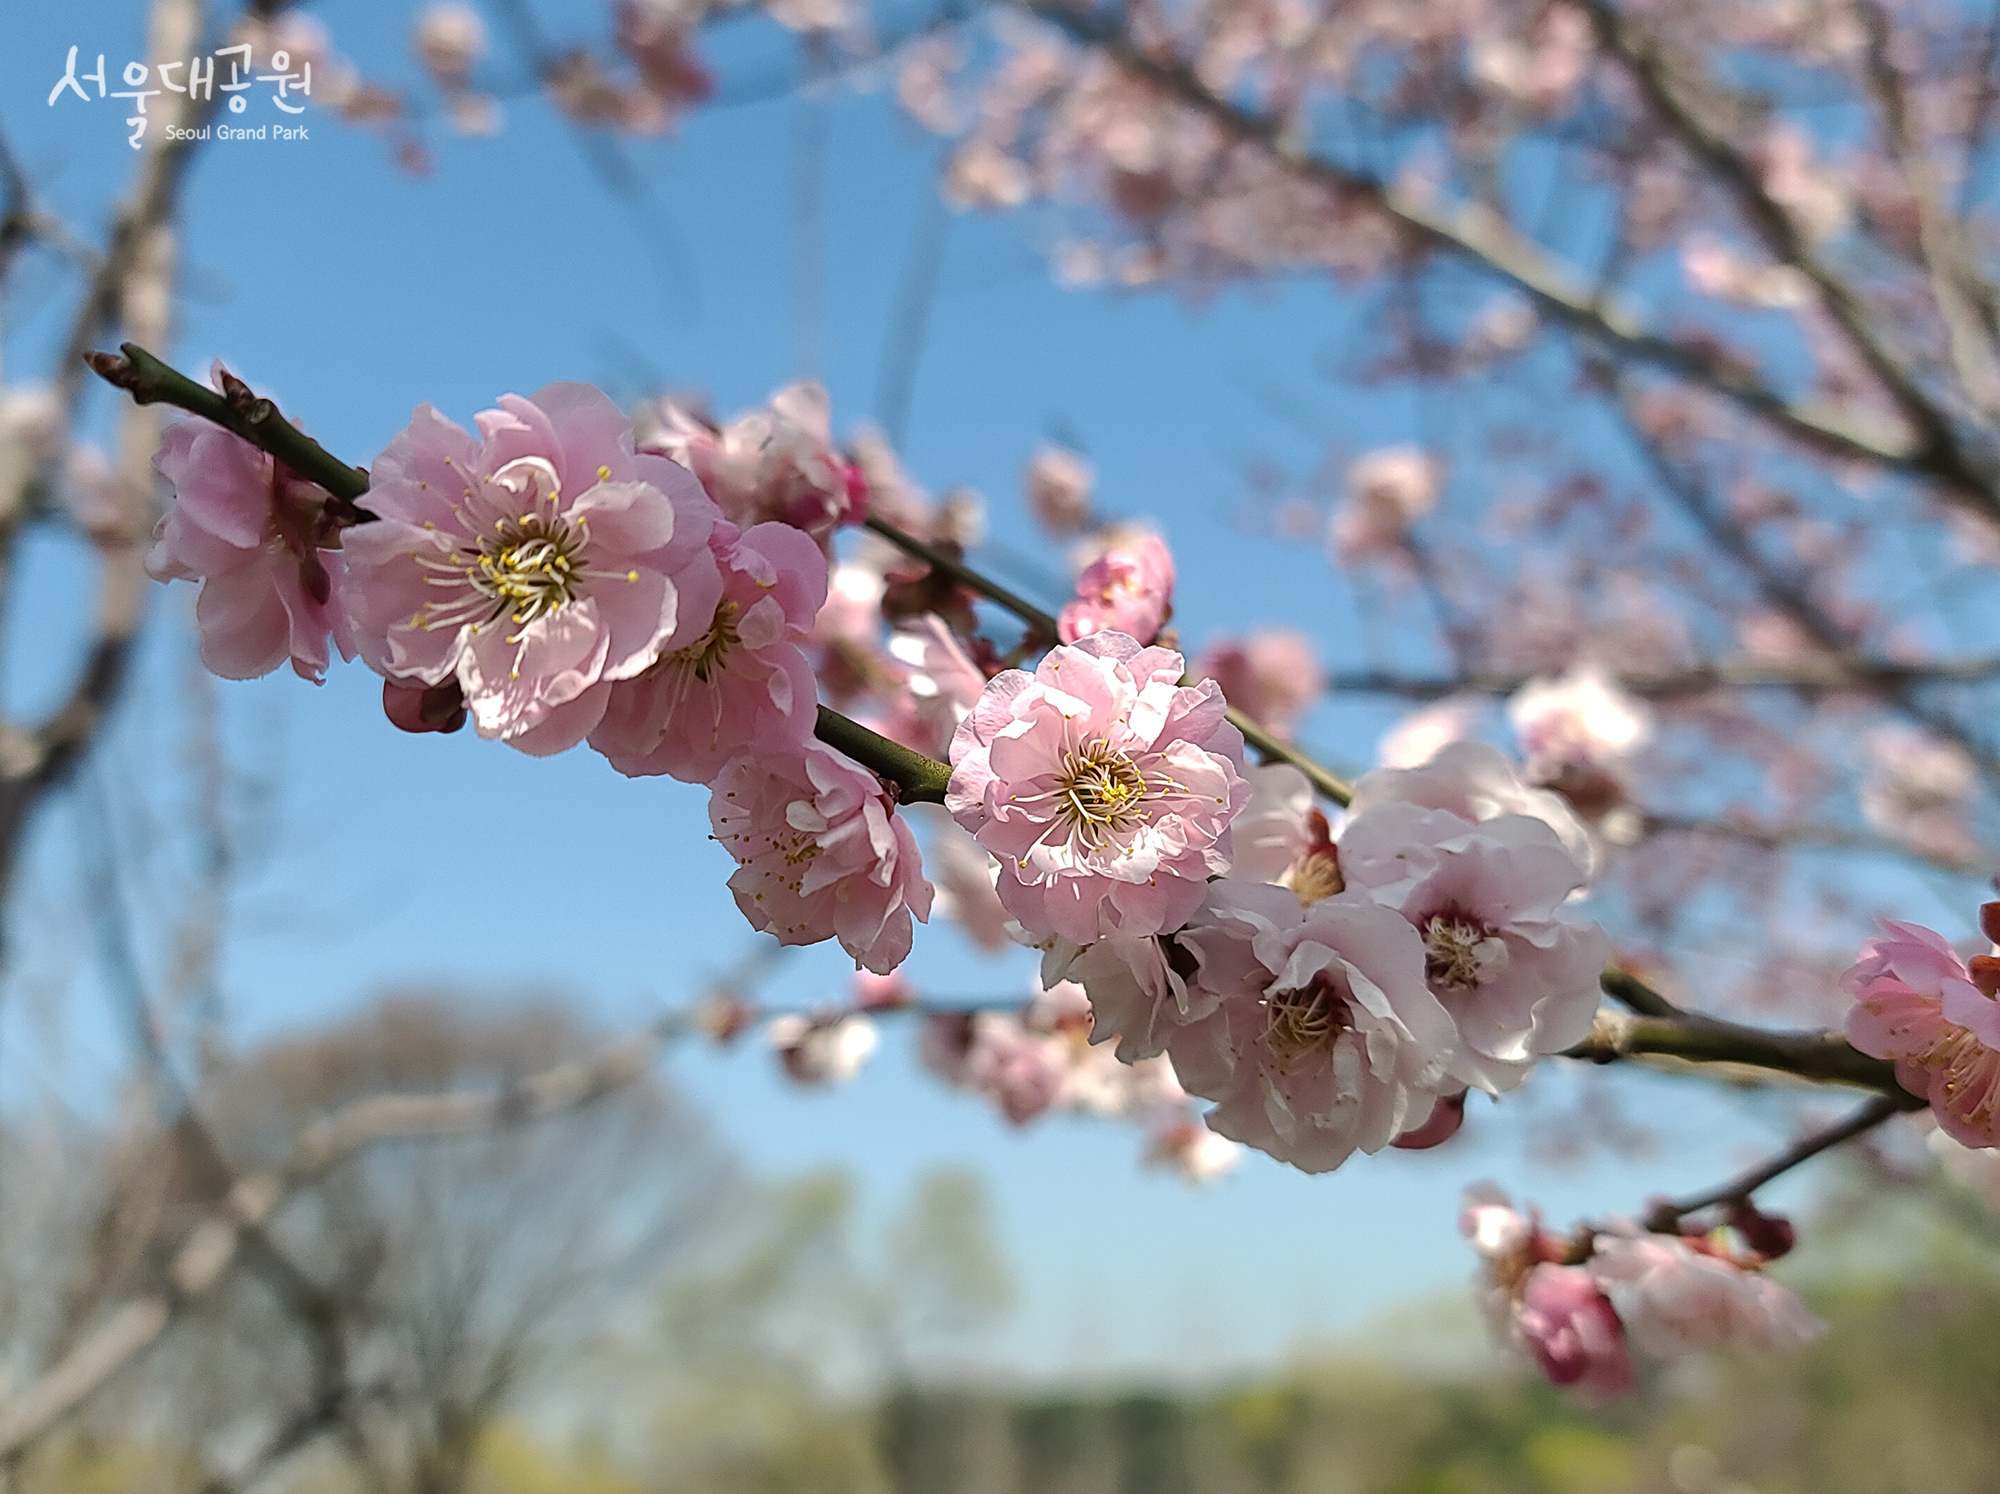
1666	1215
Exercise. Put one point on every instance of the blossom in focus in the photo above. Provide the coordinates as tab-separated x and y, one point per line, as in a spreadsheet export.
1917	1003
822	1050
1387	492
1311	1028
1272	676
744	680
1675	1298
1282	836
1519	978
821	853
538	564
247	529
1105	788
1127	589
1136	997
1569	1327
1058	485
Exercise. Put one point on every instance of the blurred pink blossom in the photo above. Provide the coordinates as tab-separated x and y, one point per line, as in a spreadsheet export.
1473	781
1416	739
1677	1299
1919	789
1058	485
821	1050
1104	786
1272	676
1127	589
538	564
822	853
1387	491
1572	1331
1185	1144
449	38
247	530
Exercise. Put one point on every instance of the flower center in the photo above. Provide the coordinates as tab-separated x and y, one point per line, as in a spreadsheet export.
1315	876
1100	791
1460	955
1299	1022
705	656
529	566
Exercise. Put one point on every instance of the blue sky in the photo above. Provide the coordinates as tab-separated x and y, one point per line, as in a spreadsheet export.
352	292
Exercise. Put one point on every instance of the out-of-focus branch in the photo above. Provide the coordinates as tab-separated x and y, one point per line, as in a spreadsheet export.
1963	296
1831	837
1789	594
1476	234
133	287
1939	452
216	1246
1816	675
1665	1216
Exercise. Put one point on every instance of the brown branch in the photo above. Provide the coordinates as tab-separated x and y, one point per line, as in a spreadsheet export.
216	1245
1843	670
1939	453
1475	234
1665	1216
1818	1057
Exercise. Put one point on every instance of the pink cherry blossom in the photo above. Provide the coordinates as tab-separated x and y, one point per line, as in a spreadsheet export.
821	1050
1474	781
1568	1325
1519	977
744	680
1585	716
1058	485
1919	789
1104	787
1272	676
1127	589
941	685
1917	1004
1676	1299
1311	1028
1185	1145
778	463
449	38
1283	837
823	854
538	564
964	875
1419	736
1387	491
247	530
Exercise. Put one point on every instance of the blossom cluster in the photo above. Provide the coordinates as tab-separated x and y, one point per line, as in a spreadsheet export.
556	582
1329	993
1580	1307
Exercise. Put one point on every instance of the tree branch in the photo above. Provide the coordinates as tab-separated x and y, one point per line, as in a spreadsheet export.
1475	234
1665	1217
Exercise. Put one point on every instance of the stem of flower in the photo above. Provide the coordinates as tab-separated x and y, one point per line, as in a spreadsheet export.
150	381
1665	1217
918	779
1043	625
